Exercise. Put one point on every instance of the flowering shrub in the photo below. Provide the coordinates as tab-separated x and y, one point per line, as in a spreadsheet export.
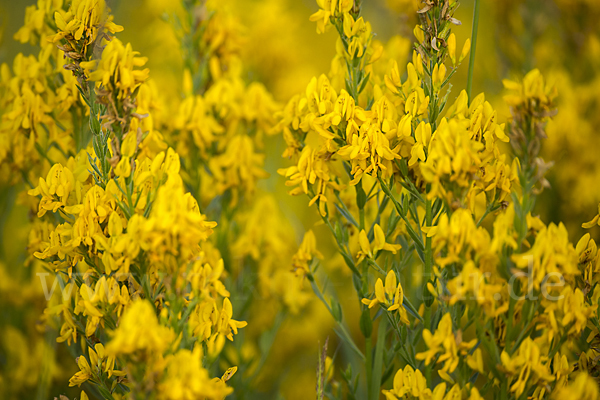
163	264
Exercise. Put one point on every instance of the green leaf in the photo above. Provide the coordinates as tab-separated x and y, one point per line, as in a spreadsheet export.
363	83
336	310
344	211
366	323
93	165
94	125
345	336
361	196
411	309
83	96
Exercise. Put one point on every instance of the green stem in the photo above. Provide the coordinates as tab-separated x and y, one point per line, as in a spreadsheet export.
375	383
369	364
473	46
402	213
428	250
344	334
347	257
504	391
361	214
428	277
490	208
428	255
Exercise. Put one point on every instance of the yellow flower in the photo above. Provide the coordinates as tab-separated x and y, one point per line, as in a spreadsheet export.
55	189
175	224
417	62
527	365
83	20
595	221
186	379
228	325
390	296
312	177
408	383
551	256
475	361
35	25
413	83
465	50
532	94
438	75
329	9
196	123
418	32
583	387
359	33
422	137
213	325
115	70
444	341
84	373
238	168
229	374
451	43
99	363
392	79
589	258
461	238
305	254
569	315
417	102
352	27
322	16
472	284
139	330
452	160
379	243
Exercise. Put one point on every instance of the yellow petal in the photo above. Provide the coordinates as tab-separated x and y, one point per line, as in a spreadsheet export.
582	244
465	50
83	364
228	374
61	24
365	245
390	284
452	48
379	237
379	291
593	222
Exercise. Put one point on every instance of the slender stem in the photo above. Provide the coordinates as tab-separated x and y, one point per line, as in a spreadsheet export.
428	274
473	46
369	363
490	208
428	260
375	385
347	257
428	250
344	332
361	215
504	391
402	213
